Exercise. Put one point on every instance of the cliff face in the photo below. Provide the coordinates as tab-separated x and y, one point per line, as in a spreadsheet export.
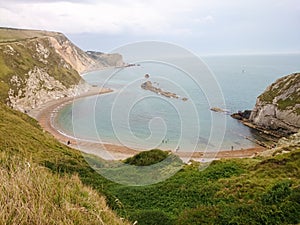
38	66
84	61
73	55
278	108
105	60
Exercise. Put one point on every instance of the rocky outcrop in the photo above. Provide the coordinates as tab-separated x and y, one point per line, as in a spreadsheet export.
38	88
219	110
278	108
150	87
38	66
242	115
284	145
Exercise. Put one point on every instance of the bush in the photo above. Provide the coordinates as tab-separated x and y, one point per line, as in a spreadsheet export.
201	215
219	169
277	193
147	158
151	217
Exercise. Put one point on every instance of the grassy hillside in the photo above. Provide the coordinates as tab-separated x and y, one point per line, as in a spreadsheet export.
237	191
41	180
228	192
31	194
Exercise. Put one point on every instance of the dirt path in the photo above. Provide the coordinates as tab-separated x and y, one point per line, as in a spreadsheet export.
45	113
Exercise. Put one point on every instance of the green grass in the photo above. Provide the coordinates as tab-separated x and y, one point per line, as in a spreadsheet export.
51	190
31	194
235	191
147	158
229	191
289	102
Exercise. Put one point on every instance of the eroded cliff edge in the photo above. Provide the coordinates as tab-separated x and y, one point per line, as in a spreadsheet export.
38	66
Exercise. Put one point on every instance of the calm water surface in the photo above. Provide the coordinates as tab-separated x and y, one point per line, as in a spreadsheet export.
141	119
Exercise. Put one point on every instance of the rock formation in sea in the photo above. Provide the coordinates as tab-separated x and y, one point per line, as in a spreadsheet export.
150	87
38	66
219	110
278	107
242	115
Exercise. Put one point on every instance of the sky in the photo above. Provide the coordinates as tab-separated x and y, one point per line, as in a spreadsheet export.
203	27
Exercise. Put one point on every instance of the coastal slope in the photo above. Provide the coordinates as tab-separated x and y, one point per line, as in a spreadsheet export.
44	181
38	66
278	107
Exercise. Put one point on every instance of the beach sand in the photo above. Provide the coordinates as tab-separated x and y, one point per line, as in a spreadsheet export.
45	113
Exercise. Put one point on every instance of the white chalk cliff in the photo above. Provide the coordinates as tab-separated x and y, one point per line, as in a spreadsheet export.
38	66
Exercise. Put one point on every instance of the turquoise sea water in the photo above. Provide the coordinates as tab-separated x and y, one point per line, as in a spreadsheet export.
142	119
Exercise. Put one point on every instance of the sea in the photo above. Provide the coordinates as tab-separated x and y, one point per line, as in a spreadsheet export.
141	119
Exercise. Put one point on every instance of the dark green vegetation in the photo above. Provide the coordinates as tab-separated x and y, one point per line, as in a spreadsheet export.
237	191
147	158
227	192
145	168
280	87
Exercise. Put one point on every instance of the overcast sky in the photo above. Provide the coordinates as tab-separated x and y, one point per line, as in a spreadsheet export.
204	27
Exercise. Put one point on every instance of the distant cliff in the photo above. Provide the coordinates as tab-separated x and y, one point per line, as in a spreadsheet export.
278	107
38	66
105	60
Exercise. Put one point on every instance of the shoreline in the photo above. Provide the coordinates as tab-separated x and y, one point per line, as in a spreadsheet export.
46	112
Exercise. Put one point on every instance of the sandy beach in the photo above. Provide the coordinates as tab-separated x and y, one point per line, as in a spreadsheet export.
45	114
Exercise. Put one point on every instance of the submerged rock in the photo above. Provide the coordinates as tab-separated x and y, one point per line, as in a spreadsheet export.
184	99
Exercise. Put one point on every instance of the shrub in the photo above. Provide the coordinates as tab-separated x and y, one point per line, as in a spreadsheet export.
151	217
277	193
147	158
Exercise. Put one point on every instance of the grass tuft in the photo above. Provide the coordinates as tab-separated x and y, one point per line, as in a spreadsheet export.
31	194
